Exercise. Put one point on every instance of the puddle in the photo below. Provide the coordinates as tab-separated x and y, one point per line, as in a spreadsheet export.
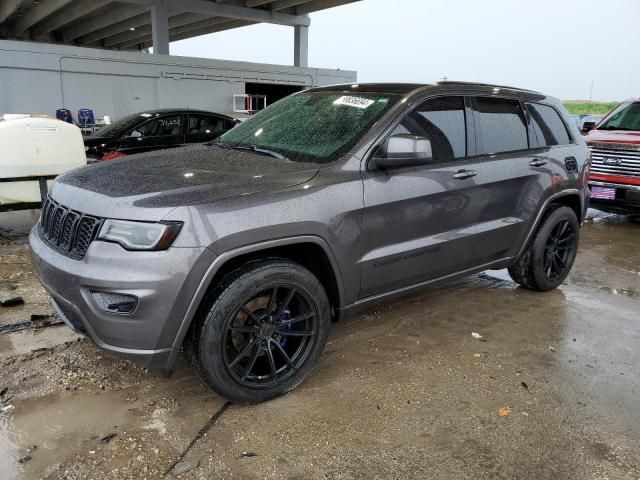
58	426
25	341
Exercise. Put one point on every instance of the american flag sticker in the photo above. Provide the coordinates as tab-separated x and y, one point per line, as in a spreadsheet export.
604	193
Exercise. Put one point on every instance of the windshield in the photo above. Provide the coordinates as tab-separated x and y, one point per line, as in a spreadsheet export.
117	129
625	117
315	127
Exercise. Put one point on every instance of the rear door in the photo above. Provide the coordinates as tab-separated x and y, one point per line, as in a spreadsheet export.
551	136
204	128
513	178
418	222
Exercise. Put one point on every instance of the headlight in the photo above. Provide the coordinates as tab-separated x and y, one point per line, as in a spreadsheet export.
140	235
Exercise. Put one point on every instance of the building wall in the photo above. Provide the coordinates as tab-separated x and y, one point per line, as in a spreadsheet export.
40	78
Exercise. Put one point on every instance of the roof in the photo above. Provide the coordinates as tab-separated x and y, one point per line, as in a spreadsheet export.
404	88
157	111
394	88
126	24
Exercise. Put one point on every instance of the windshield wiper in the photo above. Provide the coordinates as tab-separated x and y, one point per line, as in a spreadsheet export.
251	148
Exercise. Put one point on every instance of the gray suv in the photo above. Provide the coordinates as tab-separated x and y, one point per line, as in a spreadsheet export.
241	252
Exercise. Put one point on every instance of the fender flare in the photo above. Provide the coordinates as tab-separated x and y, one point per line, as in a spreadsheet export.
220	260
563	193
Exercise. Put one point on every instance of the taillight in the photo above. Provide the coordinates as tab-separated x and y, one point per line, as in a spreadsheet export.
112	155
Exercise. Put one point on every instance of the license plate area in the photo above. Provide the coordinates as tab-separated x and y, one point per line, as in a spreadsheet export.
603	193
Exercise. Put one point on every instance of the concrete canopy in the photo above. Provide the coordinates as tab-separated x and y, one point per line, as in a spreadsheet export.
140	24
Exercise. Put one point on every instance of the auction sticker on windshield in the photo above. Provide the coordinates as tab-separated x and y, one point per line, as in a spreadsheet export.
354	102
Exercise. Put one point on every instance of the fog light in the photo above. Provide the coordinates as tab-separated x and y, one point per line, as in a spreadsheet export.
114	302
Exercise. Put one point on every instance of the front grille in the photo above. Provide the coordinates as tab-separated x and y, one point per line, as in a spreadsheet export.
67	231
615	159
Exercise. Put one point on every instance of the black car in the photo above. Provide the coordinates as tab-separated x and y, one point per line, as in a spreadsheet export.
155	130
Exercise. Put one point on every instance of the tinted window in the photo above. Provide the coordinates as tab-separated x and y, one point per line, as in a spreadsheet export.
501	126
548	126
205	124
162	126
442	121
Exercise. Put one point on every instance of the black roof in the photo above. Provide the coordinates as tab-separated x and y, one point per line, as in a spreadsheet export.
397	88
156	111
404	88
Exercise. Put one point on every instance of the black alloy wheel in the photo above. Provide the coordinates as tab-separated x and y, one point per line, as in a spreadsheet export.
270	336
559	250
261	331
548	257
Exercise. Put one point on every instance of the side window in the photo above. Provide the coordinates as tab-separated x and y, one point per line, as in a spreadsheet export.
548	126
442	121
205	124
501	125
162	126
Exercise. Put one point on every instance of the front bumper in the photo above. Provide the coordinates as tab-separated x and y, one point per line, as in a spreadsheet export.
163	282
626	201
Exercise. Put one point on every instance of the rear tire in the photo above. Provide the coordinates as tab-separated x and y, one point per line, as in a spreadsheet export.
550	254
261	331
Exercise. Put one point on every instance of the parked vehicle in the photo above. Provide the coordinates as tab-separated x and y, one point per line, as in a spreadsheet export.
589	122
244	250
615	168
155	130
31	147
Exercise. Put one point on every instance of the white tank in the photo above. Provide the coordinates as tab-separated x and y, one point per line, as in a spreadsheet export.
35	146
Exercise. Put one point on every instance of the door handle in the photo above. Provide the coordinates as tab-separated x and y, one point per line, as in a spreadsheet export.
537	162
462	174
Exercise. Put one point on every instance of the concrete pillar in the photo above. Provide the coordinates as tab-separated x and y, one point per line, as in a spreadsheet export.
301	46
160	28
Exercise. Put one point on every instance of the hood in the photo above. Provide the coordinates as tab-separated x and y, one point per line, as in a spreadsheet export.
613	136
166	179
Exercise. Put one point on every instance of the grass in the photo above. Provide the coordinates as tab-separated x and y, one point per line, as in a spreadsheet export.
580	107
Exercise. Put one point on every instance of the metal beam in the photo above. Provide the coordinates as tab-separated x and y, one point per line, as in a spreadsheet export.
207	26
160	28
227	25
230	11
301	46
134	37
111	17
315	5
67	15
131	24
9	7
37	13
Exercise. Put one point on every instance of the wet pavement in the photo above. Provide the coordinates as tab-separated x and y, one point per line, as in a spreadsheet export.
549	391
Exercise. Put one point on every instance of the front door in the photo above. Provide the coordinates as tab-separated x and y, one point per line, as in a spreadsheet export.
165	131
418	222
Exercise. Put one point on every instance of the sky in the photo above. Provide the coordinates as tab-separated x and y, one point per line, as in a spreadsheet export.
559	47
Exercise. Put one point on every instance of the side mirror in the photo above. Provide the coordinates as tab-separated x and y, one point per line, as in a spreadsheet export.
404	150
136	134
587	127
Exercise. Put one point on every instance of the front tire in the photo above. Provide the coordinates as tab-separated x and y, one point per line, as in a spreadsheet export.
261	331
550	254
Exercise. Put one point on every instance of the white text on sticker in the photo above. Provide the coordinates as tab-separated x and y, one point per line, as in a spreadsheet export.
354	101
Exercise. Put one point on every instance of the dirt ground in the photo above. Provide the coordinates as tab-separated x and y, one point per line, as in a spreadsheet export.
550	391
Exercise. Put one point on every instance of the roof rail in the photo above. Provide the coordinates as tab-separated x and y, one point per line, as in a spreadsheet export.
475	84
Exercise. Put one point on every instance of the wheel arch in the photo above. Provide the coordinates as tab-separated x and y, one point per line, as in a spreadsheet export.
310	251
570	198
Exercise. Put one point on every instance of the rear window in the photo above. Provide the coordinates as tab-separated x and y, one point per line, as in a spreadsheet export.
548	127
501	126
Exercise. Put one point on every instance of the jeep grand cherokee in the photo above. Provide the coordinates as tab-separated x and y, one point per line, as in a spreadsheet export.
242	251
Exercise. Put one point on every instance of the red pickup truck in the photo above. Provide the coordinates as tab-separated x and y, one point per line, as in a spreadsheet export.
615	169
